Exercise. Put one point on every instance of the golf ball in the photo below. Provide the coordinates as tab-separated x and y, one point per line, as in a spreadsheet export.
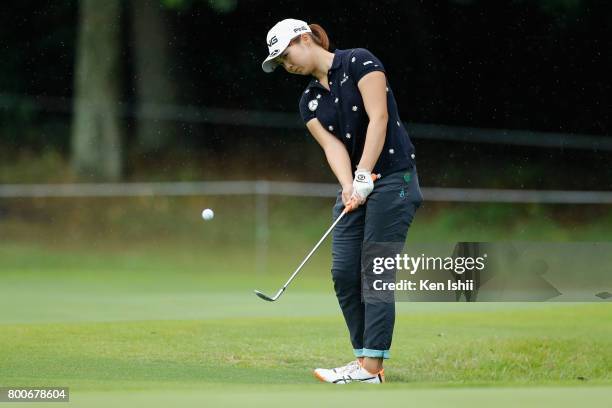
208	214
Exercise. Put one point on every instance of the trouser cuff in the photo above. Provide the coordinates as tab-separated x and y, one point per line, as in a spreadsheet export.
375	353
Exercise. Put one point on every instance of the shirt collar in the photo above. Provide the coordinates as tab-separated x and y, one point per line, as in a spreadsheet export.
336	62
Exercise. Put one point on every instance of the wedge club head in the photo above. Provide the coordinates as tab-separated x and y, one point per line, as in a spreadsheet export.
264	296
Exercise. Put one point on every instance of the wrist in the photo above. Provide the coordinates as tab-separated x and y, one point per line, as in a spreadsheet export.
346	184
363	169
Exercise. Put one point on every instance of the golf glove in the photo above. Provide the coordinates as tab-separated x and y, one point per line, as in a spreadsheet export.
362	185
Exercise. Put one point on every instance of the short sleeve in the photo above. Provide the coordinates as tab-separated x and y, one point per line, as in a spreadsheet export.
305	112
362	62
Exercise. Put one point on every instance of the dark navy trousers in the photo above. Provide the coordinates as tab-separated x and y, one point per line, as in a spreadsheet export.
384	218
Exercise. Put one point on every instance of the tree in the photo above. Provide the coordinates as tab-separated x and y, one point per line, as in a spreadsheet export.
96	128
152	64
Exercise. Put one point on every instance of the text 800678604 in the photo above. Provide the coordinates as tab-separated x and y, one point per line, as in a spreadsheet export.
35	394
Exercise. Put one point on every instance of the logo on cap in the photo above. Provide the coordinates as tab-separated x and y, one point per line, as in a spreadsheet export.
273	41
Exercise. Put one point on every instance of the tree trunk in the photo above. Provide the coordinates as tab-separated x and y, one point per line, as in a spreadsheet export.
96	127
155	89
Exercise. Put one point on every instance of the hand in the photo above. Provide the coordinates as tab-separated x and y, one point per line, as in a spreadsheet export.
347	192
362	185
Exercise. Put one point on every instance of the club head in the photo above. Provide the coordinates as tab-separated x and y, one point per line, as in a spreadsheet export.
264	296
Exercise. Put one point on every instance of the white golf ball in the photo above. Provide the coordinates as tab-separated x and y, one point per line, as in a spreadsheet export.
208	214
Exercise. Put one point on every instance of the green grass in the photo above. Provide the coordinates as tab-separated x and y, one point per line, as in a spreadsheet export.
472	348
133	328
126	224
137	302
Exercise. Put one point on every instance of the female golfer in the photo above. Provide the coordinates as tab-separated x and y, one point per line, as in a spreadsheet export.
350	110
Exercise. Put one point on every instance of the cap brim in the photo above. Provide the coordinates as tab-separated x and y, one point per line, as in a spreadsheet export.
269	64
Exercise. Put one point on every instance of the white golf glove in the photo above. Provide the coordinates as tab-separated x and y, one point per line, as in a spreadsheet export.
362	185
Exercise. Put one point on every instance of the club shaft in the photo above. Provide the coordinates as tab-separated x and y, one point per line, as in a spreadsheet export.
293	275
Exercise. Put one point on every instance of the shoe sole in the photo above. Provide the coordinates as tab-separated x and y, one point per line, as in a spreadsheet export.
321	379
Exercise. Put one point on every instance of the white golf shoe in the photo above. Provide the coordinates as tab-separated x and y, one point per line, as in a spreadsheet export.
352	372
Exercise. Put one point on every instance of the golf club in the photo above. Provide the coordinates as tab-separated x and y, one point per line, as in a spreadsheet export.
348	208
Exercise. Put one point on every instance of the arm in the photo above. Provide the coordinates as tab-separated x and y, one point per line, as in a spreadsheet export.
336	154
374	94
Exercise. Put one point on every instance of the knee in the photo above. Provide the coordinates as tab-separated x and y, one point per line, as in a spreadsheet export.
347	281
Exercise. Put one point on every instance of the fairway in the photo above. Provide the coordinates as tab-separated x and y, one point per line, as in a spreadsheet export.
132	330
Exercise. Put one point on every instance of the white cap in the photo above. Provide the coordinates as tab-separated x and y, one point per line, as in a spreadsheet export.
279	37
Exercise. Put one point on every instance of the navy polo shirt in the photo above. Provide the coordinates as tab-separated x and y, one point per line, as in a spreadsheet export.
341	111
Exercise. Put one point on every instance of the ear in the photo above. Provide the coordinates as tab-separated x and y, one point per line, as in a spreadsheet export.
305	38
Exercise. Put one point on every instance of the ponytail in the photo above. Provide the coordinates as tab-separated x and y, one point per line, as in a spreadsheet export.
319	36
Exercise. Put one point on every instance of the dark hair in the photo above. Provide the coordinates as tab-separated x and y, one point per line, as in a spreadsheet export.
318	35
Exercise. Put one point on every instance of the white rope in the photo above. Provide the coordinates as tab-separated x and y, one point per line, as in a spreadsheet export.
296	189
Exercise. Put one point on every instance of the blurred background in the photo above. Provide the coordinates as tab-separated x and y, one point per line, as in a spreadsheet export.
122	120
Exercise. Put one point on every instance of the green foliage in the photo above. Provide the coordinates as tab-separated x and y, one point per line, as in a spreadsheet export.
220	6
561	6
177	4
